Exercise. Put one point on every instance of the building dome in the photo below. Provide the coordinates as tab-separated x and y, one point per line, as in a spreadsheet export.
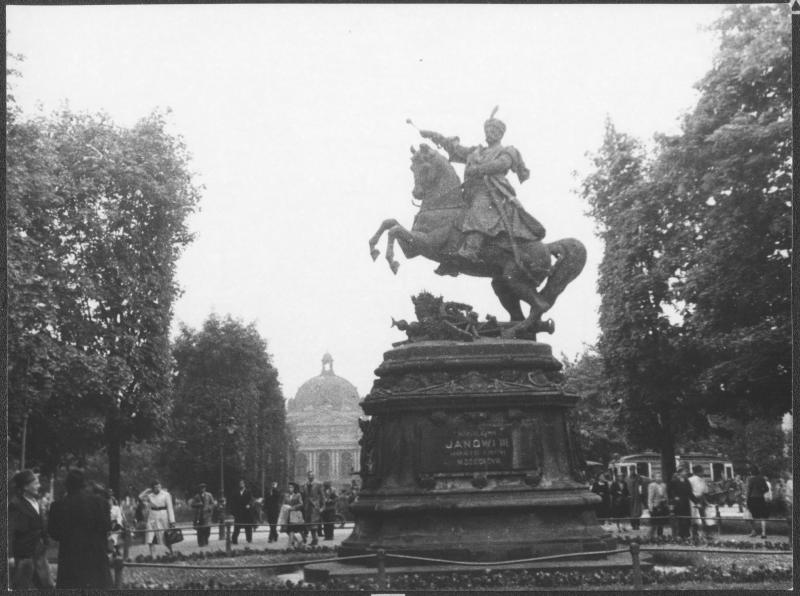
323	418
325	391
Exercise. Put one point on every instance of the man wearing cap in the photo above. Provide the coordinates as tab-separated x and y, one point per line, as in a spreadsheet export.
488	191
203	504
26	531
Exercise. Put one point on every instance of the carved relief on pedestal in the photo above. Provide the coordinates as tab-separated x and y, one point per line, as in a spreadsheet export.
471	381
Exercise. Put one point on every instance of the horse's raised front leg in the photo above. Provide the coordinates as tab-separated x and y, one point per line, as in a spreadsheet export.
385	225
410	243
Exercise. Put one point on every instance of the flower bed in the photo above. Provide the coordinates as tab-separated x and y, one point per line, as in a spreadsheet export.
509	579
765	545
179	557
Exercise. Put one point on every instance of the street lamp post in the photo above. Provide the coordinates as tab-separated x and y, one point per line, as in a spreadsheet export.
230	427
24	439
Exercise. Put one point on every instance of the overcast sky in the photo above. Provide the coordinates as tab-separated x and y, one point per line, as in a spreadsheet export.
296	120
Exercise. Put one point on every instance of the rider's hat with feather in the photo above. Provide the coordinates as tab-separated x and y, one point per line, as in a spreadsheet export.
492	121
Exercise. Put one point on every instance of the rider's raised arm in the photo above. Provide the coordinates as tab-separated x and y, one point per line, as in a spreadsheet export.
455	151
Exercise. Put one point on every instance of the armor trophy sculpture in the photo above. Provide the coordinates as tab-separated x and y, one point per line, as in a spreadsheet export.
467	453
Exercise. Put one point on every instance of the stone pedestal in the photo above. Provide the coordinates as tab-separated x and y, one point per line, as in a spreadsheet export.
467	455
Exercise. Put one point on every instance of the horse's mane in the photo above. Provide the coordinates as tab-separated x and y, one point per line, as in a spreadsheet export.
428	154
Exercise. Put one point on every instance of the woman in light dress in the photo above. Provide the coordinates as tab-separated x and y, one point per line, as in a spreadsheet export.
160	515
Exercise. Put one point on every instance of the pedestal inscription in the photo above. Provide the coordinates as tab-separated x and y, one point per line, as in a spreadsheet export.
467	450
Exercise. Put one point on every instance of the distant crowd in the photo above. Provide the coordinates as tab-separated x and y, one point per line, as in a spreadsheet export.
89	523
688	502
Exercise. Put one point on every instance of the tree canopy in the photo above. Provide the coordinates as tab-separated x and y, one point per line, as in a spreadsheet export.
227	399
595	418
96	222
695	277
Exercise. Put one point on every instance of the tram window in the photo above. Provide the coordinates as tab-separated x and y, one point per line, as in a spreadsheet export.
643	469
717	471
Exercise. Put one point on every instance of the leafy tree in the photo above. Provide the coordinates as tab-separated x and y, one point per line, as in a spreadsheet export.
595	417
695	275
96	223
733	166
646	357
227	399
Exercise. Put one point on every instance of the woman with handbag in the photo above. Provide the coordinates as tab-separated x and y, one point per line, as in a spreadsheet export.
160	515
296	519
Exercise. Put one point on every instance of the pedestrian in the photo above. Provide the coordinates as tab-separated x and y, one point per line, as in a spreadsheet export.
329	498
658	504
296	518
619	501
26	532
699	501
600	487
272	508
757	505
242	505
203	504
313	501
160	515
635	498
117	521
80	522
679	491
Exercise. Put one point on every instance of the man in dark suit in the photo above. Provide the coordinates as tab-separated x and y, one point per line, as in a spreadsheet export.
272	507
679	491
313	502
26	531
242	507
80	522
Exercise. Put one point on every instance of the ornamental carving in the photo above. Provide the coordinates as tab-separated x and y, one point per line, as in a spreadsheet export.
471	381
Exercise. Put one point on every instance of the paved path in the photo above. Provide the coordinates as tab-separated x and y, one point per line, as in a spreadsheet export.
260	541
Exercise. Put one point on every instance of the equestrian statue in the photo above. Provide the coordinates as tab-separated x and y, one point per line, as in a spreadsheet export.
480	228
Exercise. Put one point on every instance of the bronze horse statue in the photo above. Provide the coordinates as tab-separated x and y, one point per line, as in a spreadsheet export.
517	269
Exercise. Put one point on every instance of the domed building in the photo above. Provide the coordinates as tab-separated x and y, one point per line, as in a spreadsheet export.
323	417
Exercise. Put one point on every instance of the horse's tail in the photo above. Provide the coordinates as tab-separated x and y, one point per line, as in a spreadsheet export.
570	255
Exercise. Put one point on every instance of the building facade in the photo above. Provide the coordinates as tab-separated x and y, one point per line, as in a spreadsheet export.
323	418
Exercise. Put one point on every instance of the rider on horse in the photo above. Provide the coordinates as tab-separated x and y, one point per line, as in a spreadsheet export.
493	207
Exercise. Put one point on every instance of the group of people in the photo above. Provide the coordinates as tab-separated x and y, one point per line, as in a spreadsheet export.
621	498
88	521
684	499
307	509
303	510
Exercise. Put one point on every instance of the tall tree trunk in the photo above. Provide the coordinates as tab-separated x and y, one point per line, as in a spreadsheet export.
114	453
667	449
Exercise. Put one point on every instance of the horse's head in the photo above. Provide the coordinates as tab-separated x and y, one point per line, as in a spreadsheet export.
433	173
